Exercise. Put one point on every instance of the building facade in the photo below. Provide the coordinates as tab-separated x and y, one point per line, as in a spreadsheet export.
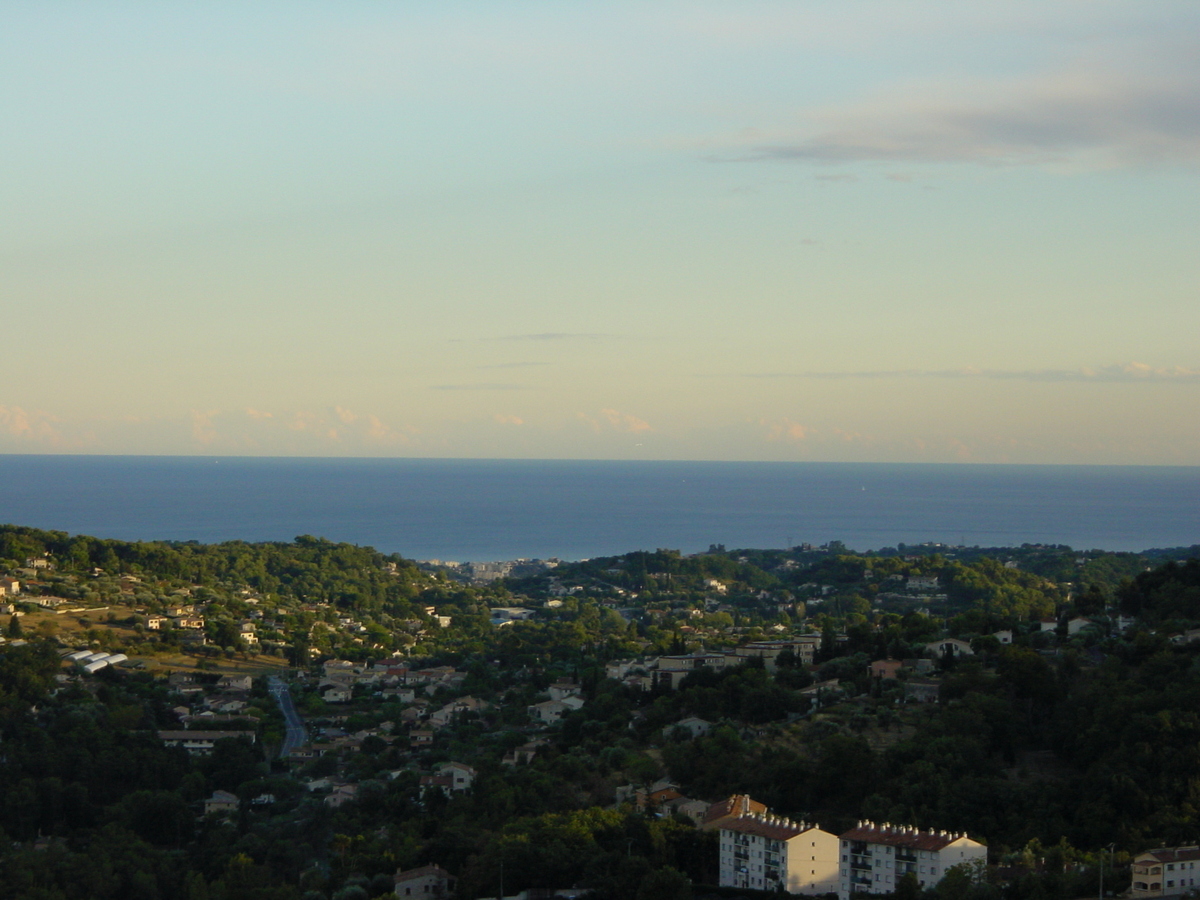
875	857
765	852
1165	872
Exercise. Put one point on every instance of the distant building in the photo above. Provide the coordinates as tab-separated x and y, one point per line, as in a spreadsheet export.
221	802
201	743
427	881
765	852
875	857
1165	872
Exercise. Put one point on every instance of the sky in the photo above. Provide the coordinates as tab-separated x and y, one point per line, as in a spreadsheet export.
846	230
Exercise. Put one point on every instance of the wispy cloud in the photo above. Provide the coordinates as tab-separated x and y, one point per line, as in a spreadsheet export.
1142	107
479	386
557	336
1129	373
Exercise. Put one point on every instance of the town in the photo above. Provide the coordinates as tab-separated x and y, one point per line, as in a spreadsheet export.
319	720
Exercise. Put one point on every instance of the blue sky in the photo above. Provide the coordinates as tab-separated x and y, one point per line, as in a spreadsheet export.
893	231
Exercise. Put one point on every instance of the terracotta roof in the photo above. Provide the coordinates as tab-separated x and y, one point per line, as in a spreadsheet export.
776	828
436	871
1171	854
736	805
901	836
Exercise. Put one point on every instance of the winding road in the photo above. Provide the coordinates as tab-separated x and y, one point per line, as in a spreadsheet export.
297	734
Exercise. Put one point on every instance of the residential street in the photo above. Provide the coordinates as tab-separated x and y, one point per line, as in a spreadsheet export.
296	733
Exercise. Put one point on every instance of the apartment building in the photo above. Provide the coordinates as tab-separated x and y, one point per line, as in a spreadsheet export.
765	852
1165	872
875	857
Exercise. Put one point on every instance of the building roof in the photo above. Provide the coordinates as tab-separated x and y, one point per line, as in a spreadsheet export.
777	828
422	872
736	805
901	836
1170	854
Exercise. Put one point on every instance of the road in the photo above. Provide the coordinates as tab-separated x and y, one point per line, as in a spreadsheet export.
297	734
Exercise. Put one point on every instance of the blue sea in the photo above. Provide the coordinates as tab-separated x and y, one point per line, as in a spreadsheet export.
480	510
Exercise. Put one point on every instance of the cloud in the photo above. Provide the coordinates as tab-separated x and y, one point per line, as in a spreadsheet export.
508	420
203	432
479	386
1109	110
292	431
625	422
513	365
556	336
32	427
612	419
1127	373
784	430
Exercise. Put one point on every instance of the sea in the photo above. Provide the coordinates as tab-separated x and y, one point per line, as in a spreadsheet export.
484	510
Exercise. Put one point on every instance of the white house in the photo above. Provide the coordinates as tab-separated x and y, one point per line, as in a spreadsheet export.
552	711
695	727
875	857
461	776
765	852
427	881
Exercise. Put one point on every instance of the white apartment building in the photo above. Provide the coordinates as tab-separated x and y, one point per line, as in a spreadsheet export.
1165	872
875	857
765	852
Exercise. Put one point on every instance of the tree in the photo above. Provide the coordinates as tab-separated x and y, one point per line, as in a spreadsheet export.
667	883
14	627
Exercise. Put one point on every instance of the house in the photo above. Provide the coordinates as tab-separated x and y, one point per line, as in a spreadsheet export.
1077	624
455	708
923	690
560	690
428	783
551	711
1165	872
201	743
671	670
694	727
885	668
1004	637
922	583
337	694
235	683
342	793
9	586
875	857
427	881
461	776
522	755
949	647
419	738
221	802
155	623
765	852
